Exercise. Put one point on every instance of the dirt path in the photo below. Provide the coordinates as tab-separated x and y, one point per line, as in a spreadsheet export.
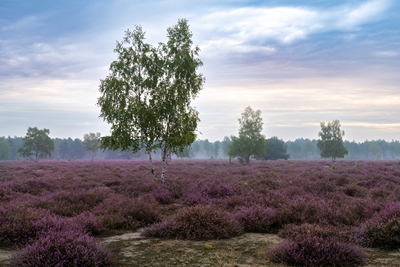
248	250
5	256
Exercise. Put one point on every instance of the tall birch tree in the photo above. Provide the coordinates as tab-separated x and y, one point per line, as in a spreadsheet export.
147	95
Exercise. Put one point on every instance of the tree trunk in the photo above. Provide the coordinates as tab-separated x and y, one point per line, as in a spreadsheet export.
152	166
163	170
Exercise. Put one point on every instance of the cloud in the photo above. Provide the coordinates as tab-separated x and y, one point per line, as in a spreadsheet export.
246	27
21	24
389	53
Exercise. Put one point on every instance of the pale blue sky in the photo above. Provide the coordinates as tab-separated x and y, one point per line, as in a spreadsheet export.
299	62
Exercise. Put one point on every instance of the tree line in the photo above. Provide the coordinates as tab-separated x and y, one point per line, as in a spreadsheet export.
275	148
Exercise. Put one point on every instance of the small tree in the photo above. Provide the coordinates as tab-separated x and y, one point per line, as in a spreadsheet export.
91	142
146	97
250	143
331	142
276	149
37	144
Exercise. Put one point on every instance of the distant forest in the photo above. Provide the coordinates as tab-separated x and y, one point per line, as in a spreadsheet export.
73	149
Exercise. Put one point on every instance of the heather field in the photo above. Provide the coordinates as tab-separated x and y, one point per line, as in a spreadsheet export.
208	213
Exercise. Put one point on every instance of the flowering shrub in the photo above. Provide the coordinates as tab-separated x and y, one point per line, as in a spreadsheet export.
317	251
89	223
16	224
121	212
257	218
72	202
163	196
32	186
210	188
304	231
196	223
382	230
62	248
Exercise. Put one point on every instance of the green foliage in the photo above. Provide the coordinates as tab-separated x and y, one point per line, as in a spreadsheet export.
251	142
37	144
276	149
331	142
91	142
5	149
146	97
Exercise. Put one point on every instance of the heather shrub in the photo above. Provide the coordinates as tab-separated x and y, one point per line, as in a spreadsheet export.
303	231
121	212
163	196
72	202
257	218
197	223
202	192
16	224
89	223
317	251
355	191
32	186
62	248
382	230
300	210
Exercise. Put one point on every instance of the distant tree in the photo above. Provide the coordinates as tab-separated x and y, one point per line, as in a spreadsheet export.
353	149
225	146
37	144
147	95
64	150
375	150
250	142
216	148
91	143
77	150
196	148
185	153
5	150
207	146
331	142
276	149
395	149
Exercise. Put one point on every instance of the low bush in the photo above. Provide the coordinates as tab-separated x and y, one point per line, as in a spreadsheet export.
303	231
62	248
315	251
73	202
197	223
163	196
126	213
206	190
382	230
257	218
16	224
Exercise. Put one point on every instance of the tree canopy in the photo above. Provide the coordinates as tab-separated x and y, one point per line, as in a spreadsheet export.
331	142
91	142
275	149
37	144
147	95
250	142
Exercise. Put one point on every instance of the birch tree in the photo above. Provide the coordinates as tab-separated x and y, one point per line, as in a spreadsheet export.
250	142
331	142
147	95
91	142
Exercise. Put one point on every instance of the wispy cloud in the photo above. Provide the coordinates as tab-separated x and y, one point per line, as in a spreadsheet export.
258	27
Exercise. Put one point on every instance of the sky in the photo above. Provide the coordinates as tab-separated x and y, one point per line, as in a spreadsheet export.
299	62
